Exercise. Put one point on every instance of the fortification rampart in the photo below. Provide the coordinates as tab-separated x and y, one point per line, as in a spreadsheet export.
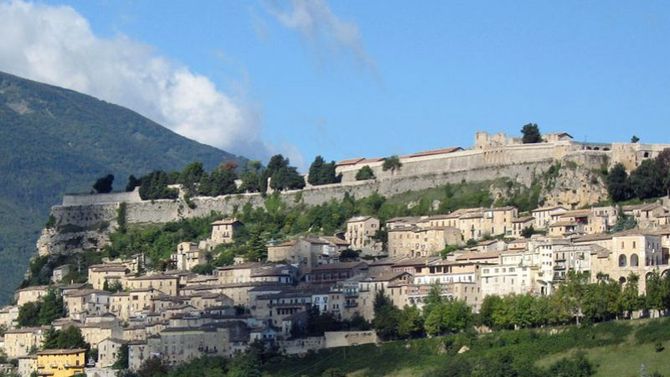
90	199
161	211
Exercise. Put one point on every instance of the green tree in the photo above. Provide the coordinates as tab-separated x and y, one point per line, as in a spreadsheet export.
647	181
245	365
154	367
450	316
489	306
132	183
104	184
365	173
220	182
69	338
410	323
392	163
155	186
386	317
190	176
630	299
657	292
28	314
251	177
531	134
121	361
634	139
527	232
576	366
51	308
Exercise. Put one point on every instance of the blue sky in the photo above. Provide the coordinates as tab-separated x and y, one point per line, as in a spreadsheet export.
375	78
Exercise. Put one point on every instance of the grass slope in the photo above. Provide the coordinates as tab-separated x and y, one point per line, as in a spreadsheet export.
615	348
53	141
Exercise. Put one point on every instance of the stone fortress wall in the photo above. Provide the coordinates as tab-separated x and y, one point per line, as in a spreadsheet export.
492	156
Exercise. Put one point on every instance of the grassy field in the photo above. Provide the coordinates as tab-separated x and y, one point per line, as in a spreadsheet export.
615	349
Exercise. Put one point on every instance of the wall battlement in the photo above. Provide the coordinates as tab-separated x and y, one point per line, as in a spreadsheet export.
493	157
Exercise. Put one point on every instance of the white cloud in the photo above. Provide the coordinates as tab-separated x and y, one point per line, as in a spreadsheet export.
317	23
55	44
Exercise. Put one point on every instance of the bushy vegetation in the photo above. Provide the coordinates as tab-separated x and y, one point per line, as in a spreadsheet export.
365	173
277	220
531	134
104	184
322	172
651	179
391	163
69	337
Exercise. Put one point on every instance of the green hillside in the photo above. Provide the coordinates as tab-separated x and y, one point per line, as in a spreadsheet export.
53	141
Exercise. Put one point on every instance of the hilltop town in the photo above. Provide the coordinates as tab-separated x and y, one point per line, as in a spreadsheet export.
231	289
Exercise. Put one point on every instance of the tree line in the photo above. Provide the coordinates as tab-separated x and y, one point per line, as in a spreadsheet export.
575	301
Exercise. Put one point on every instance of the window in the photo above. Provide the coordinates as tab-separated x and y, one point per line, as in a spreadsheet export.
634	261
622	260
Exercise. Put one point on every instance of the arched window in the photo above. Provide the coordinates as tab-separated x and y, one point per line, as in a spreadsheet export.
634	261
622	280
622	260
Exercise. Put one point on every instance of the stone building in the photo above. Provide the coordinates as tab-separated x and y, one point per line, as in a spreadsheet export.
19	342
360	234
629	252
187	256
165	283
108	351
30	294
420	236
393	284
307	252
179	345
543	215
223	231
521	223
27	365
109	273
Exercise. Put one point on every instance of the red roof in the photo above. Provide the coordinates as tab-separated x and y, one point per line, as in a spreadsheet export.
435	151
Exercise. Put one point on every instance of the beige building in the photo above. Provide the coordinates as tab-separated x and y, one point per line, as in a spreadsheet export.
19	342
188	255
108	351
8	316
307	251
167	284
420	236
505	279
59	273
110	273
223	231
630	252
27	365
180	345
95	333
543	216
648	216
521	223
394	284
127	304
30	294
79	303
360	234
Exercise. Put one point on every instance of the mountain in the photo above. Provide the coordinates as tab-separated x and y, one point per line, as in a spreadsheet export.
54	141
